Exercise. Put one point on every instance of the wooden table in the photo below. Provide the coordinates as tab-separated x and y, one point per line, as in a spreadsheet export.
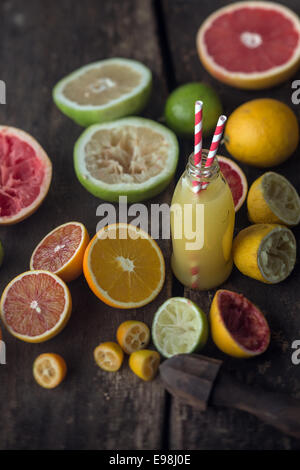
40	43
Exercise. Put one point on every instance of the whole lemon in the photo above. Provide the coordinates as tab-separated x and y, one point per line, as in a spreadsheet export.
262	132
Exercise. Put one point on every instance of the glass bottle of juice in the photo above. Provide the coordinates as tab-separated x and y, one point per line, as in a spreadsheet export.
202	226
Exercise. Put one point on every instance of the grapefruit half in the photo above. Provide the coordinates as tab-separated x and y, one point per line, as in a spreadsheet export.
35	306
25	175
250	45
236	180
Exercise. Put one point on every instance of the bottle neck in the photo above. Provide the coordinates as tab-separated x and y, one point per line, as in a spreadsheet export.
200	173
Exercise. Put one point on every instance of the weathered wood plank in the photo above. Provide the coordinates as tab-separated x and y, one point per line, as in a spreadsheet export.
40	43
223	429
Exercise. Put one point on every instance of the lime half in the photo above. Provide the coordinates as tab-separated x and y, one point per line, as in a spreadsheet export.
103	91
133	157
179	327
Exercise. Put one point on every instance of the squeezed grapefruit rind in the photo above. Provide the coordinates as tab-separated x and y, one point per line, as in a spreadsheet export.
87	115
135	192
249	81
73	268
64	318
224	339
41	154
103	295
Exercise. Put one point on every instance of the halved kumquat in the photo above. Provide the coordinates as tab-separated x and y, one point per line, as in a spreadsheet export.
49	370
144	363
133	335
109	356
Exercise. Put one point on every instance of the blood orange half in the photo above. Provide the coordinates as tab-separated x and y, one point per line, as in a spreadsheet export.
251	45
61	251
236	180
25	175
35	306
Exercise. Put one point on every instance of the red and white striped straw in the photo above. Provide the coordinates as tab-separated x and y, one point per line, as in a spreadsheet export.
198	133
215	144
198	140
215	141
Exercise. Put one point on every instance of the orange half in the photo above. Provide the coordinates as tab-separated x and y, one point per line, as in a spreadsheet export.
124	266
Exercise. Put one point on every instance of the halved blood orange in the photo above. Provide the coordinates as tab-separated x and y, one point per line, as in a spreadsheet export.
124	266
238	327
35	306
61	251
25	175
251	45
236	180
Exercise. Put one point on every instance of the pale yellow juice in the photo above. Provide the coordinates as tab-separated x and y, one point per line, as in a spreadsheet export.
208	217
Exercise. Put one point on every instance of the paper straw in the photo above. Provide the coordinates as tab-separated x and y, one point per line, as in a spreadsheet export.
215	144
215	141
198	141
198	133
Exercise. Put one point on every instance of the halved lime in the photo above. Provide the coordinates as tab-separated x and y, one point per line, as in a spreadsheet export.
103	91
179	327
133	157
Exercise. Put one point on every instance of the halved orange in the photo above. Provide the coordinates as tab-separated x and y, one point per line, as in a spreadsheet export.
49	370
61	251
124	266
35	306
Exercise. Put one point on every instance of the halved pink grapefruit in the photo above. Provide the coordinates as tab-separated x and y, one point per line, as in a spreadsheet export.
35	306
236	180
62	250
251	45
25	175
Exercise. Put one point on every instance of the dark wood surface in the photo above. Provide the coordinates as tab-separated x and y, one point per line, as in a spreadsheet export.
226	429
39	43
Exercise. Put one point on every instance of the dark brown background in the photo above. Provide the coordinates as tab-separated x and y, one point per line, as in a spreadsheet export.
39	43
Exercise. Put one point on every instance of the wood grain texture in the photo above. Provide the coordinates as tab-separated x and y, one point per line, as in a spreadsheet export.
40	43
224	429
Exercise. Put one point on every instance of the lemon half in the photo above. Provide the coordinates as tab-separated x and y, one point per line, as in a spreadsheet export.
266	252
273	199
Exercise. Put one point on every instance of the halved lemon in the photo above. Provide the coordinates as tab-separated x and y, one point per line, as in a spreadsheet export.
124	266
61	251
104	90
133	157
273	199
238	327
266	252
179	326
49	370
